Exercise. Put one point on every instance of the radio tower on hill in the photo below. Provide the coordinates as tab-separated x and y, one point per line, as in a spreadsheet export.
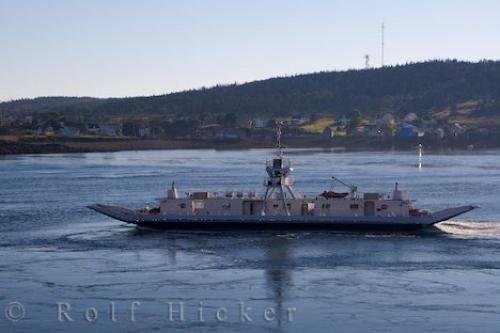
367	61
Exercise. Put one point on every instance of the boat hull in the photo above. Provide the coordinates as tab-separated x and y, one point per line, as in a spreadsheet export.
278	226
194	222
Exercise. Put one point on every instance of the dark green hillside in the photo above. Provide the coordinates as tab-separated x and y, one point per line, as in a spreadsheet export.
51	104
427	89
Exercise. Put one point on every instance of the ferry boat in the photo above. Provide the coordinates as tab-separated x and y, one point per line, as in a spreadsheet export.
280	206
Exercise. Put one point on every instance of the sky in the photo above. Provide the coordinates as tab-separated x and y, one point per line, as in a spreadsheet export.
114	48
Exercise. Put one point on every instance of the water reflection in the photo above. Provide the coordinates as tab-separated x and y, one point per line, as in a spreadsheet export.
279	276
420	155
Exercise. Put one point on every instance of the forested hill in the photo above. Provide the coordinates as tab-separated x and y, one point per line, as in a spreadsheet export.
423	88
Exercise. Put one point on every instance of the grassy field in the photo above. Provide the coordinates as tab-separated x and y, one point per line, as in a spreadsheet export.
11	138
318	126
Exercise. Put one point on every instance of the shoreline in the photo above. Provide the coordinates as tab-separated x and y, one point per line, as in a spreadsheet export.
344	144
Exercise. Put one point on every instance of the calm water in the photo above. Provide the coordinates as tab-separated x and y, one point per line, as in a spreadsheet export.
53	249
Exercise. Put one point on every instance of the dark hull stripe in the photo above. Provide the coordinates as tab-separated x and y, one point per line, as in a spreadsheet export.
276	226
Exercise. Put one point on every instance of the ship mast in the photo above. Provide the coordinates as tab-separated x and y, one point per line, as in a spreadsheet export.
279	147
279	180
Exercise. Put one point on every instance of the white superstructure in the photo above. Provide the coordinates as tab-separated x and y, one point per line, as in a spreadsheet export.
280	199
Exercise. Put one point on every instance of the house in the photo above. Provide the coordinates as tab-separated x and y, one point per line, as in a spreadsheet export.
49	131
258	123
110	130
439	133
407	131
328	133
359	130
457	130
410	118
343	121
68	131
372	130
93	128
386	125
298	120
145	132
386	121
284	120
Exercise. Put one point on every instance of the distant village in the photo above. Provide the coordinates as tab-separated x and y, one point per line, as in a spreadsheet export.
224	127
